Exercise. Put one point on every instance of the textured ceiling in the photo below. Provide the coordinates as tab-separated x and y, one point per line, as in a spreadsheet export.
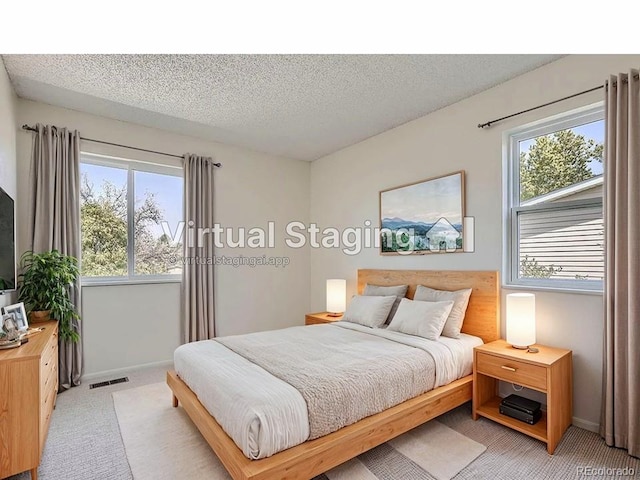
298	106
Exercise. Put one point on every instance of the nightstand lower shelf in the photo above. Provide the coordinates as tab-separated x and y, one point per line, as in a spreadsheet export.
491	410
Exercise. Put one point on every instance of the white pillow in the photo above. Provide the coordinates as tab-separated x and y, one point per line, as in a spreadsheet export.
424	319
378	290
369	311
460	299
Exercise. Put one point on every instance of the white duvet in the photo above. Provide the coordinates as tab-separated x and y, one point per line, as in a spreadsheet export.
263	414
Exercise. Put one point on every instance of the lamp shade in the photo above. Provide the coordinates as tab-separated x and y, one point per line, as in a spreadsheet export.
336	295
521	319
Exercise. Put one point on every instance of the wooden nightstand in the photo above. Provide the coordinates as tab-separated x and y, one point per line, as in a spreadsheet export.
548	371
320	317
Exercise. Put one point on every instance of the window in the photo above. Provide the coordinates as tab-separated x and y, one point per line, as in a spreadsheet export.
130	213
554	227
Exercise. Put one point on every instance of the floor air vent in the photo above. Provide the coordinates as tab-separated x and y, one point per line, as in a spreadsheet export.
109	382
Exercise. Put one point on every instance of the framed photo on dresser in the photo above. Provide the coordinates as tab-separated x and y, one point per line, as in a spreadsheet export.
19	315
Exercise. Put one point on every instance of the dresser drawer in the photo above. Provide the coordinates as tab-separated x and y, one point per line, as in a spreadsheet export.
510	370
49	377
52	345
48	400
50	351
46	408
48	396
47	364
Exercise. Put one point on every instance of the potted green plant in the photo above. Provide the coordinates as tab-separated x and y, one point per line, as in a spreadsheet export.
43	286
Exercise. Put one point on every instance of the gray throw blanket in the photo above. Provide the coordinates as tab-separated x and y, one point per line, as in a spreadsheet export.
343	375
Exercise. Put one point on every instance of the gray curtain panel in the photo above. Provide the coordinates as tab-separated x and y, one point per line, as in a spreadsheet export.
197	272
55	211
620	422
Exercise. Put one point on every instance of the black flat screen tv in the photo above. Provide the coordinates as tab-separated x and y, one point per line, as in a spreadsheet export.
7	243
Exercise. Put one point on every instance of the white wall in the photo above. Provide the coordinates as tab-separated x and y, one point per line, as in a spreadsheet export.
8	128
345	187
138	324
129	325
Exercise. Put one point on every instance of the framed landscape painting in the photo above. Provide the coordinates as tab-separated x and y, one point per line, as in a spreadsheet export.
423	217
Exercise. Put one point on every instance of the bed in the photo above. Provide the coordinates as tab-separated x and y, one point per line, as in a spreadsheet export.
312	457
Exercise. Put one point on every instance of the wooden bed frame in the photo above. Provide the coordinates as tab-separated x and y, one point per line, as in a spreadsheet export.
314	457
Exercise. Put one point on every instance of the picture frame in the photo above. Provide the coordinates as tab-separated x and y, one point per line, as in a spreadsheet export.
9	333
19	314
423	217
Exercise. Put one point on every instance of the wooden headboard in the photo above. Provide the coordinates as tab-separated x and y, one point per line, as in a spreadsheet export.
483	313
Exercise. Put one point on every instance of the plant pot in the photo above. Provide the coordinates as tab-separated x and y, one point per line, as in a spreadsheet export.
39	316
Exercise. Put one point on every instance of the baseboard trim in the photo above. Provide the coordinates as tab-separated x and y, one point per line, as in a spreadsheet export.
586	424
117	371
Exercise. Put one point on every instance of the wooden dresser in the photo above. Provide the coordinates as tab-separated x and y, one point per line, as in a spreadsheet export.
28	388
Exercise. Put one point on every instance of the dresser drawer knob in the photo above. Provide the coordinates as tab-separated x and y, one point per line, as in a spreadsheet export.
511	369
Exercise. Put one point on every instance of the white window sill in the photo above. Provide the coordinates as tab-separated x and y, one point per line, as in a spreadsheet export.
98	282
541	288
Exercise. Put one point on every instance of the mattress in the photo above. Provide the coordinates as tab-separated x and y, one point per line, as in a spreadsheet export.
265	414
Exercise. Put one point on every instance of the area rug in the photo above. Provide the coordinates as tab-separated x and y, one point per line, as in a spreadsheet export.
162	443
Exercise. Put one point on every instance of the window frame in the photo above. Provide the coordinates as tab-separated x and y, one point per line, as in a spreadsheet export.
131	166
512	207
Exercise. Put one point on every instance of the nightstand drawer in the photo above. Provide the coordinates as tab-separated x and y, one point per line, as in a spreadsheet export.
512	370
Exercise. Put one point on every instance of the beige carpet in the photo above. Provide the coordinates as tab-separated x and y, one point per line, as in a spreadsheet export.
161	443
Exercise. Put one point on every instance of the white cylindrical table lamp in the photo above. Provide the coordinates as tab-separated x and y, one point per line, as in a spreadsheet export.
336	296
521	319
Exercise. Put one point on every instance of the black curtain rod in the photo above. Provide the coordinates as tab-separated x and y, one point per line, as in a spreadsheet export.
33	129
491	122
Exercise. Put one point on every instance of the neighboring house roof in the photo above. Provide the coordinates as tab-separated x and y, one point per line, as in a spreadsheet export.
566	191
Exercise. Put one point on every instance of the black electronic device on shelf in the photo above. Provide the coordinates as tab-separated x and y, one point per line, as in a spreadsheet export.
521	408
